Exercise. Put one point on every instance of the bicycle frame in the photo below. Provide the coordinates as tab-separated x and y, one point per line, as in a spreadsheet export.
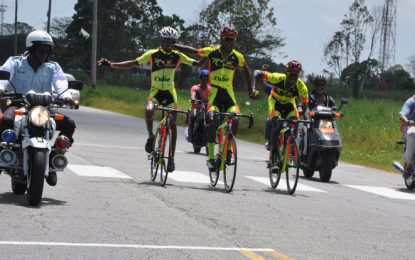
225	128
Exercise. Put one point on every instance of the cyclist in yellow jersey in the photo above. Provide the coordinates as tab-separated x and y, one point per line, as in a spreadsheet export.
282	100
164	61
223	61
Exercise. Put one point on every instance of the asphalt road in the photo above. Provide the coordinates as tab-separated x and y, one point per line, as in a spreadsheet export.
105	207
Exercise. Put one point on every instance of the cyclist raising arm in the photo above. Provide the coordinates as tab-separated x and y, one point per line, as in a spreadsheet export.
281	102
223	61
164	61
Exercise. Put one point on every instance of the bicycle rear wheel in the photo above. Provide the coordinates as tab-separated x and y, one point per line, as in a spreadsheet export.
154	156
274	177
292	169
231	160
165	153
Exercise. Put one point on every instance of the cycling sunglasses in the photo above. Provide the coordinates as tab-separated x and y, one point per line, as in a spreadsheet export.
169	41
228	39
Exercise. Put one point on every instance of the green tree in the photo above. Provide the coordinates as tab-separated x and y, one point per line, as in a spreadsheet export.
397	77
254	20
347	44
125	29
22	28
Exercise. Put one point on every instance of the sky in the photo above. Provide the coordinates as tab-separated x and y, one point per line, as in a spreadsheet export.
306	25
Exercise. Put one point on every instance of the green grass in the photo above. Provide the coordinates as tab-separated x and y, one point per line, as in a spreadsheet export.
369	129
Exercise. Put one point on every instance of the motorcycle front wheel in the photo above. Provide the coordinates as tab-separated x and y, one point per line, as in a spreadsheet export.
36	176
410	183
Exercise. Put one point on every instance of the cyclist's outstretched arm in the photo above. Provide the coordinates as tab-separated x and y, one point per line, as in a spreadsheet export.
122	64
186	49
200	63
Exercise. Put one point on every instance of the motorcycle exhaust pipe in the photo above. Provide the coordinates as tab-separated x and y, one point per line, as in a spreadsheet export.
59	162
398	166
8	157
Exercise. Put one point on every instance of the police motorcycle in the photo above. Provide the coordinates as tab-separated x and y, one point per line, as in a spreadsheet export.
27	154
409	178
199	135
323	142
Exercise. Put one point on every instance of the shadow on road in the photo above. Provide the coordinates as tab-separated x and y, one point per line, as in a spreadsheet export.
406	190
316	179
20	200
284	192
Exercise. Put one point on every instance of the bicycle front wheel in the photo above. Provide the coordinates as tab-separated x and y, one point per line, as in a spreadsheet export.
292	168
231	159
274	174
154	156
165	153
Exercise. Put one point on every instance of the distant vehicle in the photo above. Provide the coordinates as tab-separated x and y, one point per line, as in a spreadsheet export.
76	95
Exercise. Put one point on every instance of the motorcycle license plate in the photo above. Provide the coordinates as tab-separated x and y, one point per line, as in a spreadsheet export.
326	124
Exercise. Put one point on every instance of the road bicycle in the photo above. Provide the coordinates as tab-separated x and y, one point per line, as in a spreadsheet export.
288	160
162	146
227	156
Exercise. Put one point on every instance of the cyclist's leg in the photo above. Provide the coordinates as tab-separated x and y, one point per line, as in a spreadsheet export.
171	98
274	113
149	111
192	117
232	106
213	123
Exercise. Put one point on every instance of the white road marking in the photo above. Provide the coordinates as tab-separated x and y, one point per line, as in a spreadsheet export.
192	177
32	243
282	185
385	192
97	171
111	146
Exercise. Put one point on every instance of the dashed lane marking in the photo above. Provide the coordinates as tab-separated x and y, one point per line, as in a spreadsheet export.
97	171
382	191
62	244
282	185
191	177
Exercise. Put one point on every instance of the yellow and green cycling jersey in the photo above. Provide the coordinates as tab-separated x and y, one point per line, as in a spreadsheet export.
222	69
283	95
163	66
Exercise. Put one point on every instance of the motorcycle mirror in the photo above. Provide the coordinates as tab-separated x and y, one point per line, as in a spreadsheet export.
4	75
344	101
75	84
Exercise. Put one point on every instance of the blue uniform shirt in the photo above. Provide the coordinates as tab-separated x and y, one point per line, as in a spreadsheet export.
24	78
408	109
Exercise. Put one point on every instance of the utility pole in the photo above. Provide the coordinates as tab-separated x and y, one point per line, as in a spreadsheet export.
2	11
388	34
94	44
49	11
387	41
15	29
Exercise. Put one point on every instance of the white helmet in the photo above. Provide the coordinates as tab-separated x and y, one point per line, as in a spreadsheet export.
38	37
169	32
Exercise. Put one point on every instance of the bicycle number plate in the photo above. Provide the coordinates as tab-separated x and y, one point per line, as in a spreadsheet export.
326	124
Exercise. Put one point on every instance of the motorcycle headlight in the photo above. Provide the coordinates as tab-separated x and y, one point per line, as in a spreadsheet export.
39	116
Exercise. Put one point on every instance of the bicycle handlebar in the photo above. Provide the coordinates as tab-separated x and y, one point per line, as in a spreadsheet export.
294	121
169	109
233	114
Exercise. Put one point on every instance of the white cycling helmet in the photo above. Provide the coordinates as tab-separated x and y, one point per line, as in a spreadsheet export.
38	37
169	32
